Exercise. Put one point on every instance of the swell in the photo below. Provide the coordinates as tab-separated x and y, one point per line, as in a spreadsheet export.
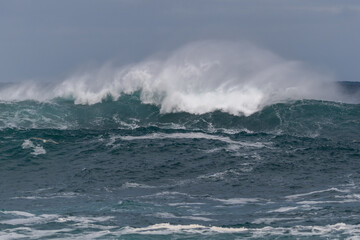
302	117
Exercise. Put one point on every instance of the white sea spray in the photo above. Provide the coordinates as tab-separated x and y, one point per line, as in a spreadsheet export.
201	77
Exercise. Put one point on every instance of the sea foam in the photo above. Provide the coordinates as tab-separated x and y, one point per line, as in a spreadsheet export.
37	149
201	77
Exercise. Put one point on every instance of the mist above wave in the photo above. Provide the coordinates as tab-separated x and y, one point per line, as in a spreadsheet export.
201	77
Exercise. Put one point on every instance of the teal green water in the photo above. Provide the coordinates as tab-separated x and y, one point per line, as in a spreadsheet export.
121	170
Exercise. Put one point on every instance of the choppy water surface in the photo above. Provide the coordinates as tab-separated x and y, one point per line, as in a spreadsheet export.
123	170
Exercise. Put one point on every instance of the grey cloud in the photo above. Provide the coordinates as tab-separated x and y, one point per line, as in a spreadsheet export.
48	39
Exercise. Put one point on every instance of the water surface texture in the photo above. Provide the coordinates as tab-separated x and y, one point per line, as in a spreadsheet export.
215	140
125	169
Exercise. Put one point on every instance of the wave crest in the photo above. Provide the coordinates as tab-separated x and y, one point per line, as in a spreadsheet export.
238	78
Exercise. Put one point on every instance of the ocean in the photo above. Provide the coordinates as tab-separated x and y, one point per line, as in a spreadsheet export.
123	170
182	148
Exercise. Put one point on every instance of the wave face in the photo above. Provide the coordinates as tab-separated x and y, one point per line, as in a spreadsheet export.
202	77
128	112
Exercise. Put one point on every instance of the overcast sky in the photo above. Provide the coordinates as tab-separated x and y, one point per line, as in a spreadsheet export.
49	39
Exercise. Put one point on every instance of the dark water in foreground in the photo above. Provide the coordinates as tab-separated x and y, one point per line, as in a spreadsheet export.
122	170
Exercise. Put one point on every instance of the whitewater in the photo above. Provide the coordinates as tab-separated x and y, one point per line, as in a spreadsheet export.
238	78
214	140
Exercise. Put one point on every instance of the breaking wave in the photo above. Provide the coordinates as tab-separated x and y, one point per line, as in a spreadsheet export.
201	77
